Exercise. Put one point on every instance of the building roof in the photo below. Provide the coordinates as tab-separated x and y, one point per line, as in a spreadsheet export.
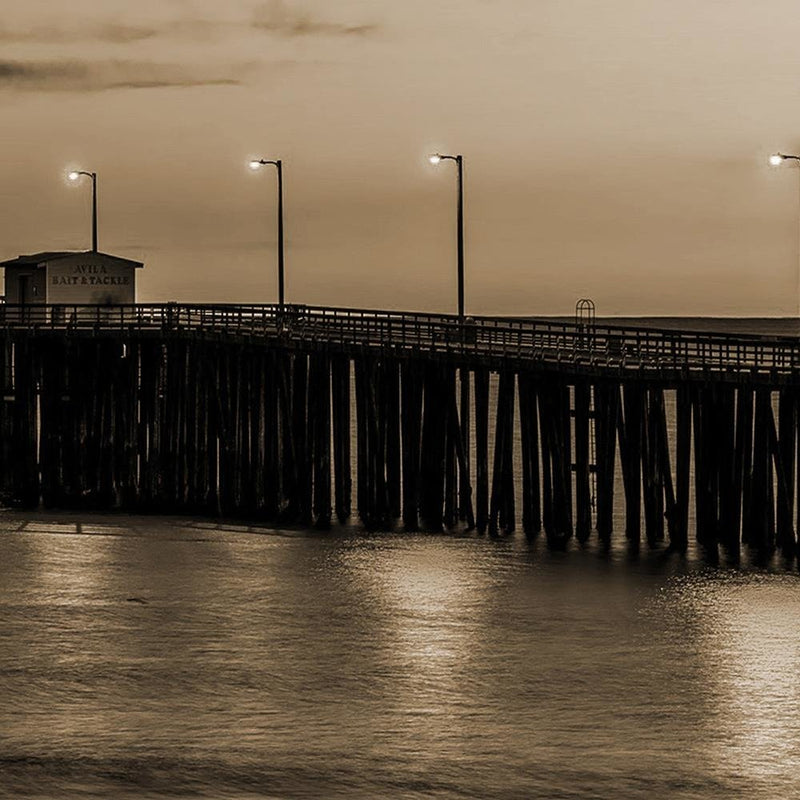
44	258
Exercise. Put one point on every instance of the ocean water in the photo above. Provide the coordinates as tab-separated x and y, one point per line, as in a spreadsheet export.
146	657
167	658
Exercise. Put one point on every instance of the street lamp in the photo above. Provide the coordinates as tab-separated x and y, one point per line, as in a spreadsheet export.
74	176
256	164
776	159
435	159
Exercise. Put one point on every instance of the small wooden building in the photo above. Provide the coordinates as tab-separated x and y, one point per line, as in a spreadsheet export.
72	278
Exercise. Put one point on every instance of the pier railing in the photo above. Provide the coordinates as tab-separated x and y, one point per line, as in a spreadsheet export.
490	338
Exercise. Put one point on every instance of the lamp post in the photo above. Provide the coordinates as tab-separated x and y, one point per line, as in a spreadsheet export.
256	164
776	159
435	159
74	176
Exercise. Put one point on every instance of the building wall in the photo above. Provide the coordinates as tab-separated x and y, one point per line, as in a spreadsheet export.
91	278
37	290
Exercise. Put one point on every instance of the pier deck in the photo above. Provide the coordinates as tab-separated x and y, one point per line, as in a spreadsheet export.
247	411
493	341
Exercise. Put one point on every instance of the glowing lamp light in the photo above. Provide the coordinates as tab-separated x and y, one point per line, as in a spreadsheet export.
775	159
435	158
73	176
255	165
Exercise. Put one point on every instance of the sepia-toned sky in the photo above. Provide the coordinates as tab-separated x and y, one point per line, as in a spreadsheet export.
612	151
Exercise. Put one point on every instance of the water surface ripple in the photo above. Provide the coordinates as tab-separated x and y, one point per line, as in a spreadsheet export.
156	658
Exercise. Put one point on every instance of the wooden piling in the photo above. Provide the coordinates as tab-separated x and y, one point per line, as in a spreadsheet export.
501	509
743	456
465	509
653	489
630	447
663	463
452	435
785	467
319	409
606	403
554	424
481	449
761	484
391	381
583	498
434	427
679	532
529	441
725	458
340	387
411	400
705	477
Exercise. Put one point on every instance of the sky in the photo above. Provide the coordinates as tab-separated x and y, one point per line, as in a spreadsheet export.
612	151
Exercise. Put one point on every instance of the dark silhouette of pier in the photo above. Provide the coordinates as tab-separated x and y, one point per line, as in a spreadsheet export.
246	411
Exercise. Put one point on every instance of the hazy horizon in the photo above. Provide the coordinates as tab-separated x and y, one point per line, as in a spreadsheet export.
613	153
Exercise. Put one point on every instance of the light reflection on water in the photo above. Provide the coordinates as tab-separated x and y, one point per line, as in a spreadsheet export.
749	650
147	657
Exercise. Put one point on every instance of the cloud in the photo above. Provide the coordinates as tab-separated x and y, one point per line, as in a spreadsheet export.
198	30
275	17
20	72
123	34
94	76
114	32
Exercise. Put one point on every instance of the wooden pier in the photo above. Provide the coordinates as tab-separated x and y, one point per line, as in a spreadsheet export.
250	411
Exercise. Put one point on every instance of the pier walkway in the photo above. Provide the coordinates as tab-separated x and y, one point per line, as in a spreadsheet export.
590	349
303	412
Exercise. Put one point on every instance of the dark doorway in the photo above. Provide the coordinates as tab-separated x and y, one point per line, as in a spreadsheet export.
24	297
24	292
